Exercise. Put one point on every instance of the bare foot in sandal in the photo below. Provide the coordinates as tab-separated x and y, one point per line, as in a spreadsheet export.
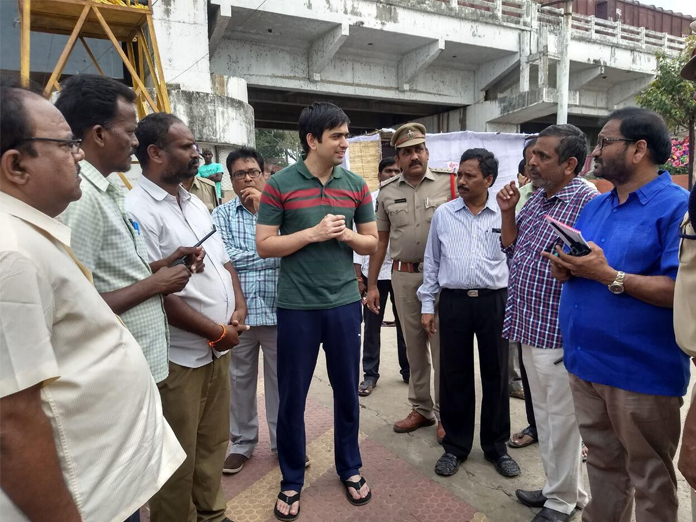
523	438
360	495
288	512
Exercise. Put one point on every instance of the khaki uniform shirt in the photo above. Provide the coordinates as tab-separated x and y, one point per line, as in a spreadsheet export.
685	292
405	212
204	189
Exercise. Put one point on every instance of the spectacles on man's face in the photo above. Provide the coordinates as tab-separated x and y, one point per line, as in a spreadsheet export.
601	142
241	174
72	145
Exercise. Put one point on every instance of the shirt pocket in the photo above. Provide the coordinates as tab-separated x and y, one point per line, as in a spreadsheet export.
639	250
398	214
430	204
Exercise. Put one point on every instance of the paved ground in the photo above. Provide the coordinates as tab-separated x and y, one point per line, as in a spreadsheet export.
398	467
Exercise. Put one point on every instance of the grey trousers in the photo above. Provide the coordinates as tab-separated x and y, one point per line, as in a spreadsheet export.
244	367
514	373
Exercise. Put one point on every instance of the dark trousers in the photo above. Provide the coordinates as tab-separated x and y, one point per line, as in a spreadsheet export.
300	332
528	406
372	333
462	317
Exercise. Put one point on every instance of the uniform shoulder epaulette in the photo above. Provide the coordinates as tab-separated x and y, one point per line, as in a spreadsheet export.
440	171
390	180
206	181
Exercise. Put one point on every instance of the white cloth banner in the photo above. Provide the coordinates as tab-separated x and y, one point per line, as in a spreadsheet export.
446	149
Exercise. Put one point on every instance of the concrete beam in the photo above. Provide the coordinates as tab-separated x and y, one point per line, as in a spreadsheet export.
217	25
624	90
581	79
324	48
415	61
491	72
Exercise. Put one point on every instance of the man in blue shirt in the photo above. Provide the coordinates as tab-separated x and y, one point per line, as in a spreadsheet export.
627	372
236	221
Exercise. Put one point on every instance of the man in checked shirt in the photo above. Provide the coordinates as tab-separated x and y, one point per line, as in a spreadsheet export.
531	314
236	221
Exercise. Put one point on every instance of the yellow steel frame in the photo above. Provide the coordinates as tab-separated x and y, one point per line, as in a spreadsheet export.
119	21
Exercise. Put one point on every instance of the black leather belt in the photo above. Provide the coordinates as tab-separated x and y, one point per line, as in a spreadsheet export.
474	292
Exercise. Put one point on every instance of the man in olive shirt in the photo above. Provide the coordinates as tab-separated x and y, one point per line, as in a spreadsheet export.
405	207
203	189
685	313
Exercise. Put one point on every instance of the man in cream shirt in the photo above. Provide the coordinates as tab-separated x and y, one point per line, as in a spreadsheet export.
82	435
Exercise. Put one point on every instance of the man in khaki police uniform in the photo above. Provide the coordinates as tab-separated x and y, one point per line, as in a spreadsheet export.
685	314
405	207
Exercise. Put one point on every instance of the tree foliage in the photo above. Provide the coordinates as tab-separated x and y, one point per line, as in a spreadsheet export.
278	146
669	94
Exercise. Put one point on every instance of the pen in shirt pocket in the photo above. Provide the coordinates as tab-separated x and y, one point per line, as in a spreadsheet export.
136	227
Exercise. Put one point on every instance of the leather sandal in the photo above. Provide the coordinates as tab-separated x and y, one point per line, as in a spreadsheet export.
356	486
289	501
365	388
447	465
528	432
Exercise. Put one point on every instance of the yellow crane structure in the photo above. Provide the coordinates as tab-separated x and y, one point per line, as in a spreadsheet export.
126	23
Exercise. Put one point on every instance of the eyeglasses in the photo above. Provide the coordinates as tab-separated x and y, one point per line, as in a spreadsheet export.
241	174
73	145
603	141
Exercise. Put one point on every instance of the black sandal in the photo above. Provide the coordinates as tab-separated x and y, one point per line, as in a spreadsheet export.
527	432
356	486
289	501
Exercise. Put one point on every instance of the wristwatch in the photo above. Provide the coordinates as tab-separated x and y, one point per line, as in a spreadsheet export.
617	287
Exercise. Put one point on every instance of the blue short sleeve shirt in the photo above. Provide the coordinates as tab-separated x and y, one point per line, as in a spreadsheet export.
618	340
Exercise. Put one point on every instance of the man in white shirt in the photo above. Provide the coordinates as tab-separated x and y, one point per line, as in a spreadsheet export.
373	321
83	438
205	319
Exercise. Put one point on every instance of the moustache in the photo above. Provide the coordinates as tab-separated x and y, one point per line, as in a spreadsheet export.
193	163
414	163
462	187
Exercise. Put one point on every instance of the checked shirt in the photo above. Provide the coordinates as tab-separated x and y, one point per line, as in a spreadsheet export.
113	249
531	313
258	277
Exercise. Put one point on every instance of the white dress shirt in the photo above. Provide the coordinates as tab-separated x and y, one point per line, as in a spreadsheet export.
114	447
364	261
167	224
463	251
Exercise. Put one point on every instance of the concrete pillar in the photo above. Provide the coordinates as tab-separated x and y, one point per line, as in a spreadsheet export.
563	67
525	51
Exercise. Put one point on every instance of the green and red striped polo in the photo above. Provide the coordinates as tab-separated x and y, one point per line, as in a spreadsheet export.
320	275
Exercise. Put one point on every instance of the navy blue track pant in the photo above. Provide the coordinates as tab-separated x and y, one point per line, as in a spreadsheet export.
300	332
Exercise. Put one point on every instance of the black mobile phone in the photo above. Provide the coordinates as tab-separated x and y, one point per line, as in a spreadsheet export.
184	260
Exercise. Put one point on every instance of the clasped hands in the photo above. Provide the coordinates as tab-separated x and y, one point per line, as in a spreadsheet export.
331	227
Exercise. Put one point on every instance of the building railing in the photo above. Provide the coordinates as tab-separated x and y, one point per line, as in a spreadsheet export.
525	12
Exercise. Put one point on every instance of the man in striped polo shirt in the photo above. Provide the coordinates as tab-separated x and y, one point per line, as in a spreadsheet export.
314	204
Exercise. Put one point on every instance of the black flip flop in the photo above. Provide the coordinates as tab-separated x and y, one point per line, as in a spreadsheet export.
356	486
289	501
